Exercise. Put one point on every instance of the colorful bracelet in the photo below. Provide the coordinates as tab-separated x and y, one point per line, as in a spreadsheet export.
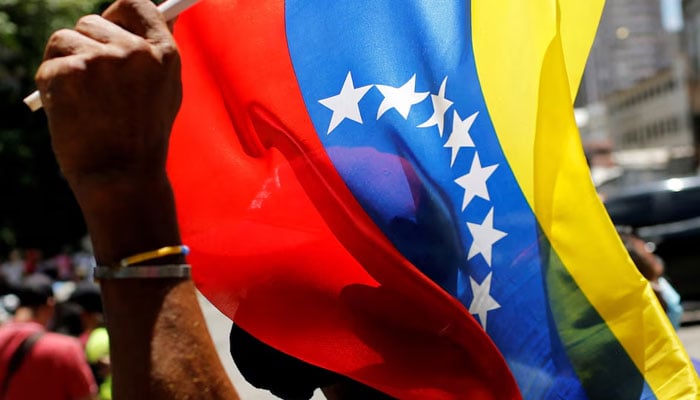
179	271
153	254
126	267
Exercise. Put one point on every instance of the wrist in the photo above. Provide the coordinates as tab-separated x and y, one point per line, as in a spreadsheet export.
127	215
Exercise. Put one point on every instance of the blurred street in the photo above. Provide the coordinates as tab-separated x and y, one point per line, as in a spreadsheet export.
219	327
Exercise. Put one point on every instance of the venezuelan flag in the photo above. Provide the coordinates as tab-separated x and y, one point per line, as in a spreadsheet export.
395	191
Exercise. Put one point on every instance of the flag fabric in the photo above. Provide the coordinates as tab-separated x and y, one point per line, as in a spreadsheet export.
395	191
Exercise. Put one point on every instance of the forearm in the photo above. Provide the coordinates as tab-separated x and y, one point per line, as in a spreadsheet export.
111	90
126	215
160	346
163	351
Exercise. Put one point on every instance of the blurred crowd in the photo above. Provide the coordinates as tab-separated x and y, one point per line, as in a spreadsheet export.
51	315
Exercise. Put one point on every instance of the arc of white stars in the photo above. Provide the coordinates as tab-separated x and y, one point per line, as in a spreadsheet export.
484	237
474	182
345	105
482	302
440	107
460	137
400	98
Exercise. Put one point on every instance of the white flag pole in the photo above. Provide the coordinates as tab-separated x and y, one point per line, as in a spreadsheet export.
169	8
172	8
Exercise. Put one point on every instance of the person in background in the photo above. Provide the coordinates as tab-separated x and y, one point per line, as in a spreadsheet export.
97	351
4	295
32	259
67	319
652	268
13	269
64	264
34	363
88	298
83	261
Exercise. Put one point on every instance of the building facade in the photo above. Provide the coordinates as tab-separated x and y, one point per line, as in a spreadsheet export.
631	45
651	123
690	39
638	75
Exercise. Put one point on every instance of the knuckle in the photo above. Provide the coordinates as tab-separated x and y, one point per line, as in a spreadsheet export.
88	20
76	64
50	73
141	48
136	50
169	51
134	10
58	37
115	53
42	75
169	48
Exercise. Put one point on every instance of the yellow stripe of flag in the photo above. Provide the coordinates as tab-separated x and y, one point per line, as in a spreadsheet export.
530	57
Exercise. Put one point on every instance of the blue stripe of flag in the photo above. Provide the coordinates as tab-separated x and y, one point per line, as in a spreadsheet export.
387	84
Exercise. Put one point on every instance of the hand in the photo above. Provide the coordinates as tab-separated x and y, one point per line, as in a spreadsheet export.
111	90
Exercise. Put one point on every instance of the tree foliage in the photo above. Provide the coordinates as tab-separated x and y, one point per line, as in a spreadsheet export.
36	207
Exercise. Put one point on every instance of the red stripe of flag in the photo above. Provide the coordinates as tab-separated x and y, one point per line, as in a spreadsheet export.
278	242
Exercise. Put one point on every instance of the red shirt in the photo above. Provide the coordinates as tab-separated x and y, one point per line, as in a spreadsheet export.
54	369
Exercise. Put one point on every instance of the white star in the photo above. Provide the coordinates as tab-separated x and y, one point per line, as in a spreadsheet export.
485	236
440	107
460	134
345	103
401	99
474	183
482	302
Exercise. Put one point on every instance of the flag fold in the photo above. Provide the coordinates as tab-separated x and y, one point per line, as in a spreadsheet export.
396	191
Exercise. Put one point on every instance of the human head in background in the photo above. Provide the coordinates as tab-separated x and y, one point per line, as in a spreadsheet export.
87	297
36	301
